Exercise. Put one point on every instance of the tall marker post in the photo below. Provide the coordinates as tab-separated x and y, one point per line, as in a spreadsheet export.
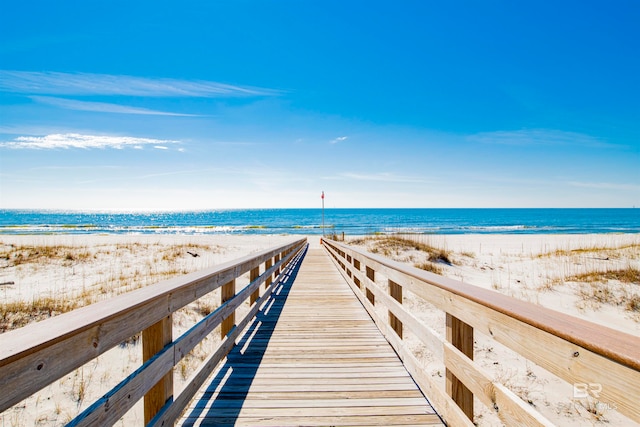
322	197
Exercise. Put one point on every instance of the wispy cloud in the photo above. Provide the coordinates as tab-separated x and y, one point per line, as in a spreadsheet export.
74	140
338	139
538	137
606	185
84	84
381	177
101	107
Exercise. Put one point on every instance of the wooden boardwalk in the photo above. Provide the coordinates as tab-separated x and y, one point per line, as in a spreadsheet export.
312	357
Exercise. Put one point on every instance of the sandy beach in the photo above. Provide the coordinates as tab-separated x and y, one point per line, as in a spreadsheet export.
591	276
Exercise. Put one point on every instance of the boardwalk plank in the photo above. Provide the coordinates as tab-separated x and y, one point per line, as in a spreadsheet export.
312	357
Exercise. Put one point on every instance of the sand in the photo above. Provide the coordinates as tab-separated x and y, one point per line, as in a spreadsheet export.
542	269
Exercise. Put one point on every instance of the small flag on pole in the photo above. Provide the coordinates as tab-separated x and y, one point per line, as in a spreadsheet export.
322	197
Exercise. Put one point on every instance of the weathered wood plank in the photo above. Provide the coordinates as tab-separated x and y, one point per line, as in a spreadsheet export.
154	339
460	335
376	420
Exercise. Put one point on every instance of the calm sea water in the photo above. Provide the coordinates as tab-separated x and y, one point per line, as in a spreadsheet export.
309	221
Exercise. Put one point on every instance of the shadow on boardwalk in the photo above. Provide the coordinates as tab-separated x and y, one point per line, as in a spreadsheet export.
224	397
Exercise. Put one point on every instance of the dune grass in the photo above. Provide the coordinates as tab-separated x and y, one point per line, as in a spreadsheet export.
394	245
617	287
16	314
598	251
429	258
624	275
123	273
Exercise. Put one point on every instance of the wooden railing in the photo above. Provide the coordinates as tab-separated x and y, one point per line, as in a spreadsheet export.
38	354
593	357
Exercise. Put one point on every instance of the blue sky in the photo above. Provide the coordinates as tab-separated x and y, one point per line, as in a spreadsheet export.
253	104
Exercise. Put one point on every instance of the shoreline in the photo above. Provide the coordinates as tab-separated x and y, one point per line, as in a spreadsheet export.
310	221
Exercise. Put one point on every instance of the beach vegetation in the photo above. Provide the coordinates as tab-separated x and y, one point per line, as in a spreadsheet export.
616	287
393	246
633	303
204	306
17	255
132	341
429	266
15	314
117	270
525	385
358	241
596	409
623	275
600	252
79	389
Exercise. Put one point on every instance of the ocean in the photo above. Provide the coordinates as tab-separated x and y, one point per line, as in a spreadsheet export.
310	221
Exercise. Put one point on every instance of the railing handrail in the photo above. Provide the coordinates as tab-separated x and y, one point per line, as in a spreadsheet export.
35	355
610	347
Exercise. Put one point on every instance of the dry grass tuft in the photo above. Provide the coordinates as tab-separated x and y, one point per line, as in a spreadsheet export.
429	266
601	252
617	287
393	245
624	275
19	255
16	314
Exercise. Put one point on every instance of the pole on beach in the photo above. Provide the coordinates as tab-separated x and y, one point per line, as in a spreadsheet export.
322	197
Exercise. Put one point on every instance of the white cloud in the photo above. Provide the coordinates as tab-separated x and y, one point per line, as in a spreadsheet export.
160	147
381	177
54	83
538	137
605	185
74	140
102	107
338	139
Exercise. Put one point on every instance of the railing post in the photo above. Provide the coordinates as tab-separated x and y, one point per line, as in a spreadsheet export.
356	265
267	265
371	275
395	291
253	275
276	259
154	338
460	335
227	292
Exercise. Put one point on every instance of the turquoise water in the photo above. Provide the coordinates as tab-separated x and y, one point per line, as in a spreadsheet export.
309	221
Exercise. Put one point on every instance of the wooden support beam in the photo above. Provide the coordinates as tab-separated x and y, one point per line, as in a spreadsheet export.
267	265
371	275
460	335
253	275
356	264
395	291
275	260
154	338
227	292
